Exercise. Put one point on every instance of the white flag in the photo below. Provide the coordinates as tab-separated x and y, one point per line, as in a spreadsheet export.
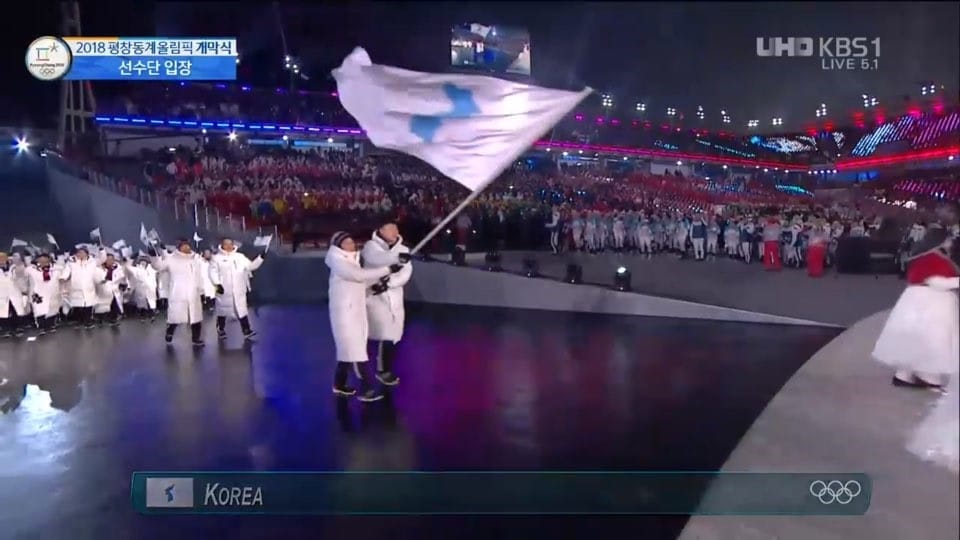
95	234
126	252
17	243
154	236
196	237
119	245
263	241
144	237
469	127
51	240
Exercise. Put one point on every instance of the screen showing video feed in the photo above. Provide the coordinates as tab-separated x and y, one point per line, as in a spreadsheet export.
498	49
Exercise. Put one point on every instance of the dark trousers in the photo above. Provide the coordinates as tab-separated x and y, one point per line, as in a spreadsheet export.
386	353
11	323
244	324
362	371
195	330
82	315
111	316
161	304
46	323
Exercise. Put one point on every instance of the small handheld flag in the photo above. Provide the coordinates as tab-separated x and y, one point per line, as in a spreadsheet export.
95	235
119	245
52	241
17	243
263	241
144	237
196	238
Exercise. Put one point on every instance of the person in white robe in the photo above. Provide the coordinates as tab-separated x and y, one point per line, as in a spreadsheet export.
43	280
13	298
349	284
385	311
209	289
186	288
163	284
229	271
143	280
81	272
111	284
921	336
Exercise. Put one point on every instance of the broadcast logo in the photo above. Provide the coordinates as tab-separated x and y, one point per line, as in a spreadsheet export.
835	53
48	58
835	491
169	492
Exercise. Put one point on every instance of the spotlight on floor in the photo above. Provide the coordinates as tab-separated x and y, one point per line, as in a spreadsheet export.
459	257
531	267
574	274
621	279
493	262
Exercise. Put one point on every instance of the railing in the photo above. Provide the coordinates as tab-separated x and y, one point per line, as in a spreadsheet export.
197	214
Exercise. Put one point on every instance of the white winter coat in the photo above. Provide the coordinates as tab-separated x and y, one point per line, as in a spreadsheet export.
12	288
163	282
348	302
186	287
209	289
109	291
231	270
82	278
48	291
385	312
143	279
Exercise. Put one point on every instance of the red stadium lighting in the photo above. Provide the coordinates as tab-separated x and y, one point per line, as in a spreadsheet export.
862	163
600	120
634	123
615	122
828	126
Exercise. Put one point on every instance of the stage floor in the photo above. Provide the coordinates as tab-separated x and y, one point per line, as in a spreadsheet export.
481	389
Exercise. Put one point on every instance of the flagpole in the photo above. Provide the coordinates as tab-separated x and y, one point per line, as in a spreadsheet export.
443	223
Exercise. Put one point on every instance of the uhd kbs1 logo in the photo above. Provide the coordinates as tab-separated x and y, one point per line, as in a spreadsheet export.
835	53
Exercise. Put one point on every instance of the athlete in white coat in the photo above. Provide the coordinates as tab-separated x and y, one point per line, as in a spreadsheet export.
43	281
81	274
229	271
619	231
385	313
13	299
209	289
349	284
111	283
186	287
143	279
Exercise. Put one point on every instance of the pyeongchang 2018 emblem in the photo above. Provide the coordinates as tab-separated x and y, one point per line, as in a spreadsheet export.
48	58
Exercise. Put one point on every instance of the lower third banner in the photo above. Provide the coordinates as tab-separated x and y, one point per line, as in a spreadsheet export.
421	493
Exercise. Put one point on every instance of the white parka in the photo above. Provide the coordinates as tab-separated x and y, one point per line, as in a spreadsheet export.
48	290
13	285
231	270
82	277
143	279
108	290
348	302
186	286
385	312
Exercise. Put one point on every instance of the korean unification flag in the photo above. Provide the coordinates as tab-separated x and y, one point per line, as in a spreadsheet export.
468	127
169	493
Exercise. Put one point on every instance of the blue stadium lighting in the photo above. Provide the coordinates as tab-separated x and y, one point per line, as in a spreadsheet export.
224	125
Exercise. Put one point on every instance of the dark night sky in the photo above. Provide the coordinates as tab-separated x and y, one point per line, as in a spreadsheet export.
671	54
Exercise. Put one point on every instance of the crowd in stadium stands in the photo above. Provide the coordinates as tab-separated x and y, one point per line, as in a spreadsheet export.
308	195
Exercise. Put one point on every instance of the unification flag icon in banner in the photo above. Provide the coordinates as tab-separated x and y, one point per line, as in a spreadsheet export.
468	127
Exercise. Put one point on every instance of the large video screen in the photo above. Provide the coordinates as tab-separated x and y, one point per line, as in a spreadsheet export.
498	49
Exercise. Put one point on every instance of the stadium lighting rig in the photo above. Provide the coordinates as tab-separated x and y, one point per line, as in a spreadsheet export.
822	111
607	101
671	112
641	107
753	123
777	121
928	89
724	117
700	114
869	101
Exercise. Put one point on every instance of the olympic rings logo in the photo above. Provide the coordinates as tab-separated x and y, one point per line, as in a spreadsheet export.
47	71
835	491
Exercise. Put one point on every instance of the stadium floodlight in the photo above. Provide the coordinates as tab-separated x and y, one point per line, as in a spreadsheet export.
777	121
753	123
22	144
700	114
621	279
285	138
869	101
724	117
232	136
329	140
822	111
928	90
679	163
641	107
606	101
671	111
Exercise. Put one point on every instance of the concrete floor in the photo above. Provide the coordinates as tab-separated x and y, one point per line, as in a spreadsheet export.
840	413
482	389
